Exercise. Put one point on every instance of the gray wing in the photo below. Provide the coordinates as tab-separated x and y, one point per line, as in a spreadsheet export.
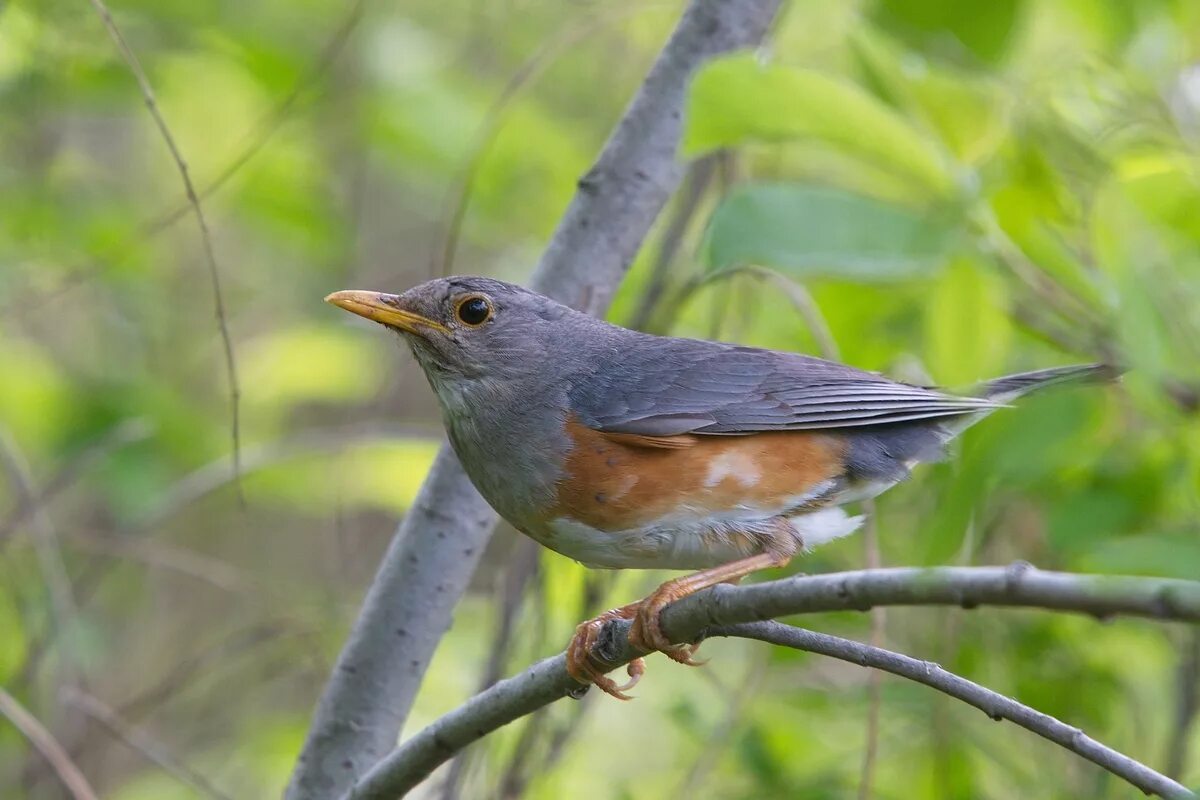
659	386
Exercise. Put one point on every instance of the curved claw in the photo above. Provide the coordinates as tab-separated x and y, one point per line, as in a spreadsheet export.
682	654
582	668
635	669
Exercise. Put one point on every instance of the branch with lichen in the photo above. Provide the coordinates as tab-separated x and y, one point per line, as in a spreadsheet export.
714	610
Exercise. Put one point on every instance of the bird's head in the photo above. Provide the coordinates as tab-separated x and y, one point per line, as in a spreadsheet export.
472	329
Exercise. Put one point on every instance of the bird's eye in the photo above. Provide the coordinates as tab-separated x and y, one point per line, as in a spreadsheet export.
474	310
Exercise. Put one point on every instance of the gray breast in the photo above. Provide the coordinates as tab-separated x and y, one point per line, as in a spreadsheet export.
512	445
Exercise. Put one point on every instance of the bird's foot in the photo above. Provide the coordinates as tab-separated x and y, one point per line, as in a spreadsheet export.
580	664
647	633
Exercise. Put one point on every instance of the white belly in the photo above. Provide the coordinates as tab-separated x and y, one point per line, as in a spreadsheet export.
679	542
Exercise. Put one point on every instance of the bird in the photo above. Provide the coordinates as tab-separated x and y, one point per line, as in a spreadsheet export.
626	450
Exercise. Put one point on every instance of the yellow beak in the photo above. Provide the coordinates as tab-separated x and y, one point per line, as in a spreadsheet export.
383	308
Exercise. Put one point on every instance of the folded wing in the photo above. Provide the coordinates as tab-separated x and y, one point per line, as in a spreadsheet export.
667	387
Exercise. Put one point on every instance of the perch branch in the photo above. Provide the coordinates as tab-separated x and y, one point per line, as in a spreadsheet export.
438	545
546	681
995	705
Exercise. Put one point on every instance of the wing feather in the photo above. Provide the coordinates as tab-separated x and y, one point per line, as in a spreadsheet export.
665	387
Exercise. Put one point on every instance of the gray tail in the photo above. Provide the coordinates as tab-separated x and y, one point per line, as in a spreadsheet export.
1010	387
885	454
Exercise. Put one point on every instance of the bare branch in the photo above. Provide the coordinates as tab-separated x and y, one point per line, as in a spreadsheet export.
126	433
273	120
255	141
438	545
1187	704
802	300
725	732
210	256
455	205
48	549
866	785
700	175
48	746
995	705
210	477
621	195
522	566
155	553
546	681
139	742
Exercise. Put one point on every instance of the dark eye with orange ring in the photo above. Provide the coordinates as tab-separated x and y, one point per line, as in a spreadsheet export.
473	310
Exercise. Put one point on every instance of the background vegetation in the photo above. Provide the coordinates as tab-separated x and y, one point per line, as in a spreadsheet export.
939	190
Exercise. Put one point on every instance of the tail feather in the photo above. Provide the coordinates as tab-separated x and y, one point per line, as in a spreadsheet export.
1010	387
881	456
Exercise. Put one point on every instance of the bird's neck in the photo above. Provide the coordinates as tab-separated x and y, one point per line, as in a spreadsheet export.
510	440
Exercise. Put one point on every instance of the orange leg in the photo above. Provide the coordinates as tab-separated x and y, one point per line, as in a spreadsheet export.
646	633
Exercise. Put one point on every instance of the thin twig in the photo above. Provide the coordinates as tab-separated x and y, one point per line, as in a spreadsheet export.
522	567
155	553
210	256
454	210
744	691
994	704
126	433
210	477
45	743
695	184
273	120
1019	585
866	783
1187	680
802	300
266	129
204	663
219	574
817	325
139	742
1075	312
517	774
48	549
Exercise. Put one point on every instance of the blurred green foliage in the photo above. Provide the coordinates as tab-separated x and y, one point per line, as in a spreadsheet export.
963	189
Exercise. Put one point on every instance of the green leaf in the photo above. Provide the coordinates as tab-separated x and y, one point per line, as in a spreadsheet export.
984	30
736	100
967	328
810	231
971	114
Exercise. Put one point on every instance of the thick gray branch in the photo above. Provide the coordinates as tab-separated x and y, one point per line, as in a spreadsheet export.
995	705
688	619
438	545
